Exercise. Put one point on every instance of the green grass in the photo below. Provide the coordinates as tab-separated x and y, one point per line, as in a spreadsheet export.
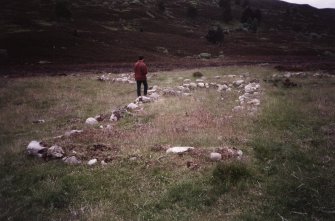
288	169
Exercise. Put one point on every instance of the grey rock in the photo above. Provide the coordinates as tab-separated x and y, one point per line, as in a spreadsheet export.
215	156
55	152
132	106
35	148
92	162
179	149
205	55
71	160
91	121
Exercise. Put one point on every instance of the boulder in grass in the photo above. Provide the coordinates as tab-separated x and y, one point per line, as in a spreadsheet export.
154	96
179	150
238	83
193	85
55	152
91	121
201	85
69	133
132	106
113	117
35	148
205	55
71	160
92	162
215	156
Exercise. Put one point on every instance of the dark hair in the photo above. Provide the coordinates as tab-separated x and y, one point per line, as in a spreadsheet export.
140	57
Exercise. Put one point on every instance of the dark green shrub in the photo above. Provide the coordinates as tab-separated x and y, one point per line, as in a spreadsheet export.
215	34
62	9
197	74
192	11
226	10
161	5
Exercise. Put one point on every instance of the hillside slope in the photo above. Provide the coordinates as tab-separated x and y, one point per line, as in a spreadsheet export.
112	31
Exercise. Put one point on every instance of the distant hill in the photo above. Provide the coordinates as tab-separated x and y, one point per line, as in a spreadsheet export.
115	31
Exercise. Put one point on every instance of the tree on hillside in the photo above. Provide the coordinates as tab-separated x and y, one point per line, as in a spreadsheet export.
226	10
62	9
215	34
251	19
192	11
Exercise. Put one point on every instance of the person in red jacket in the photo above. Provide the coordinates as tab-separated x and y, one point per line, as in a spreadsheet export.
140	69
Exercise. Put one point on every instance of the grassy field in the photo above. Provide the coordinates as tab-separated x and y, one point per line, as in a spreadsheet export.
287	171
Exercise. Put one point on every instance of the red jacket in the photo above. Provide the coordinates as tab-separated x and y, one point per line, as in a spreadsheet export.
140	70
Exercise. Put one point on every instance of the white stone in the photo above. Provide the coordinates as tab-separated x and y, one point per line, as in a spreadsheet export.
251	88
187	81
231	75
238	82
154	96
143	99
222	87
237	108
217	77
92	162
201	85
193	85
199	80
179	149
103	163
34	147
91	121
69	133
206	85
215	156
113	118
132	106
71	160
55	151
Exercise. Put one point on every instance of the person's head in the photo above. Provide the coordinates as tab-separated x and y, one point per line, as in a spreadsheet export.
140	58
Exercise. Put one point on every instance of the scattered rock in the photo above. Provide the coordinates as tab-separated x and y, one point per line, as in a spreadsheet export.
113	118
162	50
71	160
103	78
91	121
205	55
187	81
215	156
222	87
133	158
143	99
92	162
154	96
251	88
238	108
55	152
201	85
193	85
103	163
35	148
238	83
179	149
69	133
132	106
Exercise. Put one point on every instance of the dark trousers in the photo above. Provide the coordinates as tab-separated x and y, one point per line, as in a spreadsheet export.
145	83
